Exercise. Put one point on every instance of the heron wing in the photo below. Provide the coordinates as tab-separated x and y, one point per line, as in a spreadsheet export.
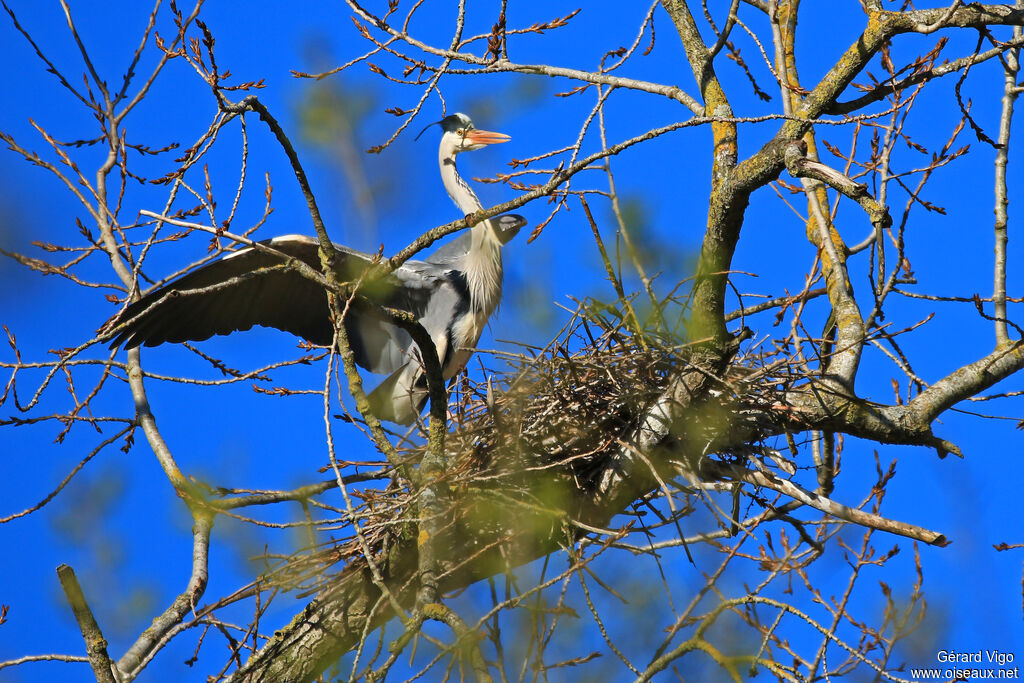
507	226
245	288
416	287
401	397
250	287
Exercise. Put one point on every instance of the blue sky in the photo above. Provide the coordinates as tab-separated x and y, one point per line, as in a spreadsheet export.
119	523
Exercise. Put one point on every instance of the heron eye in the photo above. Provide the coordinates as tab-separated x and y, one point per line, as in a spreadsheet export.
461	131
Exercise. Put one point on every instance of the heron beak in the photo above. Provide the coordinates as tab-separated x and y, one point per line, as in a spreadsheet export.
485	137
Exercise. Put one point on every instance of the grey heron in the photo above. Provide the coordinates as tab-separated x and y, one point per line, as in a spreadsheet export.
452	293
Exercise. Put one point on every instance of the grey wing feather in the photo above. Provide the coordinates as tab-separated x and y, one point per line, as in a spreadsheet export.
246	288
507	226
401	397
250	287
385	347
447	253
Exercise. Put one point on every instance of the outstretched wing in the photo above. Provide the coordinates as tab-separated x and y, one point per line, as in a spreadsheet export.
251	287
245	288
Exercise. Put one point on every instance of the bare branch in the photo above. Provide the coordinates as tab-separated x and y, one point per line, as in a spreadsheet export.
95	643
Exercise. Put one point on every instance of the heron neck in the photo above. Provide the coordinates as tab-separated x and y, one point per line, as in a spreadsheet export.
482	263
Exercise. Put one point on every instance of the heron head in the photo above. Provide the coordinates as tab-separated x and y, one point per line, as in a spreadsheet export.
460	135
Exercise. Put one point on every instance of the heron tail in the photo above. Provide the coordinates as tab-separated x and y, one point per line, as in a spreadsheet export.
400	397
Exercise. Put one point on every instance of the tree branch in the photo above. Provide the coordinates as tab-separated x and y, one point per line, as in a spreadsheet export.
142	651
95	643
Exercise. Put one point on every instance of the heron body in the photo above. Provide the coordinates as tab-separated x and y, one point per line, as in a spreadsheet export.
452	293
